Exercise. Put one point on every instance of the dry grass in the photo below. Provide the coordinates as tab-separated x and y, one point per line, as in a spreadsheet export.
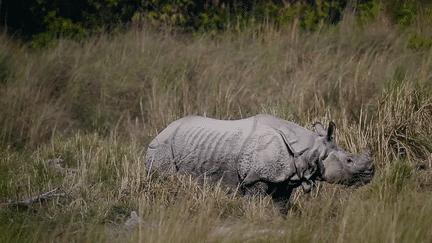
97	105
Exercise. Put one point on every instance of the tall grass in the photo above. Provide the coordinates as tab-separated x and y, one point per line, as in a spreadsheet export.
97	104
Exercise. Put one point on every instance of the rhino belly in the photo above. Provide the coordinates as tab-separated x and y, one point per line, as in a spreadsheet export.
211	149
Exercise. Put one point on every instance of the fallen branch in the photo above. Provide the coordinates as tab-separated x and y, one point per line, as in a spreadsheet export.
39	198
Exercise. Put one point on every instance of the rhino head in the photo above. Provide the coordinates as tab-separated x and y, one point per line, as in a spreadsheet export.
339	166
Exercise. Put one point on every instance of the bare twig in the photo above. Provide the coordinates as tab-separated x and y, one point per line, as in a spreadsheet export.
39	198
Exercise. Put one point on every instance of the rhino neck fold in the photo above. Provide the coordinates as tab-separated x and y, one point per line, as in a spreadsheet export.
307	168
255	120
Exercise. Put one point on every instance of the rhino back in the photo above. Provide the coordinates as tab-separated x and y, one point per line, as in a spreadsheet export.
206	146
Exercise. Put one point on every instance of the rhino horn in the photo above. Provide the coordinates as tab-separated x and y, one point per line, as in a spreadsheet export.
368	151
366	156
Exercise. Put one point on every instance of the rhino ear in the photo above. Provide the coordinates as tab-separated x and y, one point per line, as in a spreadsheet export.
330	131
320	129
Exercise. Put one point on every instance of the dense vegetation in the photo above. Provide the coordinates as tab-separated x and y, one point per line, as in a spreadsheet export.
76	117
44	21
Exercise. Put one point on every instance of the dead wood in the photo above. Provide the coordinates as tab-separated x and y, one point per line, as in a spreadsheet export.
39	198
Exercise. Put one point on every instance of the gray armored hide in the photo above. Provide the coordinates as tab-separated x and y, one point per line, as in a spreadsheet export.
260	154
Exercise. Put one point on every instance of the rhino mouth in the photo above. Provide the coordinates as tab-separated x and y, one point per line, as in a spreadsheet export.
363	178
356	179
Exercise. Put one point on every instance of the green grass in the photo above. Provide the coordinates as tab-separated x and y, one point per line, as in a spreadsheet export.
97	104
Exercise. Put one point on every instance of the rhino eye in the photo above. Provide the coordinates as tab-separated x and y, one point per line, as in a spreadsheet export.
349	161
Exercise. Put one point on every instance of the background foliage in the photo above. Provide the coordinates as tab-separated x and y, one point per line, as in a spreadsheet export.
43	21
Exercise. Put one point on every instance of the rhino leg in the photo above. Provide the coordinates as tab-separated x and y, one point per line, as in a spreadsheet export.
258	187
159	160
160	156
281	195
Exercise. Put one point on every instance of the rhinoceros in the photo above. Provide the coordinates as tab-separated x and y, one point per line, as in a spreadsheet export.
260	154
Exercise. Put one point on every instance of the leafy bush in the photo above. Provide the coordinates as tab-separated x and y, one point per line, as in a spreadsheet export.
57	27
168	13
368	12
417	42
312	16
52	19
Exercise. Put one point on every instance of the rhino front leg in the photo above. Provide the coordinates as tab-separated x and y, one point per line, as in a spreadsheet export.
281	194
258	187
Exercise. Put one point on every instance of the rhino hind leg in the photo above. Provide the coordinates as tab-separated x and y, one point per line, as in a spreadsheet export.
159	161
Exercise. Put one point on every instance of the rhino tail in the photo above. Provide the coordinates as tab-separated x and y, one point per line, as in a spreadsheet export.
160	154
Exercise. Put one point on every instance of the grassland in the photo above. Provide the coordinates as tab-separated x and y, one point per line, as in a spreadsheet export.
96	105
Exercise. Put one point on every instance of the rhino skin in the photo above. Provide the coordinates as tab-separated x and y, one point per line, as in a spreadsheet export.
260	154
